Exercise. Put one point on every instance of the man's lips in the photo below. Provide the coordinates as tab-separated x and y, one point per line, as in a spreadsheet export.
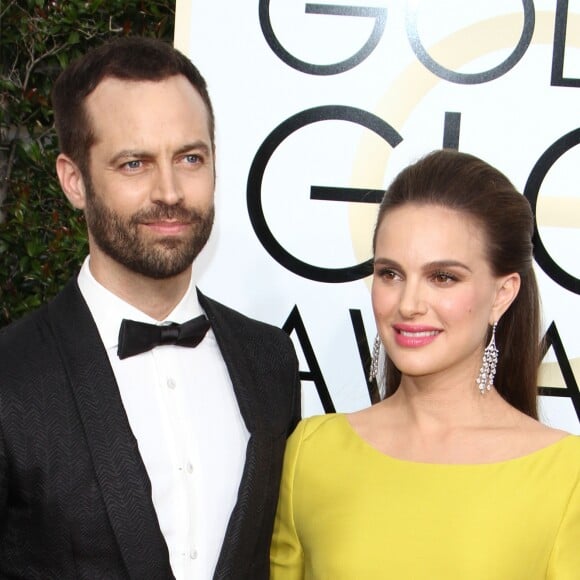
167	226
414	335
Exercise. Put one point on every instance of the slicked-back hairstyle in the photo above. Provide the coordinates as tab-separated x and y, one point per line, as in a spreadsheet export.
466	184
126	58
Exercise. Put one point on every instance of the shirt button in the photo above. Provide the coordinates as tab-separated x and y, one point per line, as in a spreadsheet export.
171	383
193	554
189	468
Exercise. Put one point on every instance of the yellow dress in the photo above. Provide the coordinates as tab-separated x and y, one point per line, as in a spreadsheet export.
349	512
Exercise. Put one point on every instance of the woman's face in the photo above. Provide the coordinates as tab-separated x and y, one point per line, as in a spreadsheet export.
434	294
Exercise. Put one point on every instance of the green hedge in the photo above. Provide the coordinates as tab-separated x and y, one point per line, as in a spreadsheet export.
42	239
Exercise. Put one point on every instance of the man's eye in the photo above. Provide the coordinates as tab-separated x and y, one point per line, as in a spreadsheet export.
134	164
193	158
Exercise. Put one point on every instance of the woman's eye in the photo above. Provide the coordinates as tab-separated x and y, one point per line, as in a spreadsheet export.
444	277
388	274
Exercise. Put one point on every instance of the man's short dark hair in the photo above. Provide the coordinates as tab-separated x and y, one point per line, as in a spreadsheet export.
127	58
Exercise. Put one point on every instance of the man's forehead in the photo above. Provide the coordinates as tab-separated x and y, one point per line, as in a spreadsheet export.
143	104
113	84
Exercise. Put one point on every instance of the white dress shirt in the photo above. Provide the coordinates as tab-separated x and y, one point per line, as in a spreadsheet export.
183	412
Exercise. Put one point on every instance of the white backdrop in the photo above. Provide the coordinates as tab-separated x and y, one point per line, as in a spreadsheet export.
342	97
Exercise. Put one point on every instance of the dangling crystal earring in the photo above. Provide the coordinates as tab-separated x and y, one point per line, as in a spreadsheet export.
375	358
487	371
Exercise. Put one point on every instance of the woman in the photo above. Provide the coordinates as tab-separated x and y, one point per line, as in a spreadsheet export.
451	476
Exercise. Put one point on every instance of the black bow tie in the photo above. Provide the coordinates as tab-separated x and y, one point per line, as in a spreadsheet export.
137	337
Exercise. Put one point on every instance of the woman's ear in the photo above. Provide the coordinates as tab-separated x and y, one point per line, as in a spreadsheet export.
71	181
507	289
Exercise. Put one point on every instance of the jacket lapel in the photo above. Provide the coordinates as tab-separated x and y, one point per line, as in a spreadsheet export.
243	531
119	469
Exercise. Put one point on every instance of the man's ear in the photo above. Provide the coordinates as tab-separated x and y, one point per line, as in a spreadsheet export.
507	289
71	181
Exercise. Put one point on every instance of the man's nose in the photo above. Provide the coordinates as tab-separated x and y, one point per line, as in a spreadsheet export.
166	186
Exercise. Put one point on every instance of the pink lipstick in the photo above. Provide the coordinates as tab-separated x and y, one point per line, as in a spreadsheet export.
413	336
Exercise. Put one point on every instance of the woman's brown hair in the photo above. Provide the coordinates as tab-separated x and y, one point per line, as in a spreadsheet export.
466	184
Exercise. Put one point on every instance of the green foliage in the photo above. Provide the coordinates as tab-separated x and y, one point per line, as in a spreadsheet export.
42	239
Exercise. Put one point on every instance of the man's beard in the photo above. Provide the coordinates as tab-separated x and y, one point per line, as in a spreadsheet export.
121	240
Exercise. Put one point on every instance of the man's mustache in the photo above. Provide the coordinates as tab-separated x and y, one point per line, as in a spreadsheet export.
164	211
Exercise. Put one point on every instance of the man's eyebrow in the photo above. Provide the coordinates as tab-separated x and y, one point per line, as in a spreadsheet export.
194	146
142	153
128	154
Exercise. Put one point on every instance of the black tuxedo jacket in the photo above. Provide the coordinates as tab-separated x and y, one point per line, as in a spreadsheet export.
75	498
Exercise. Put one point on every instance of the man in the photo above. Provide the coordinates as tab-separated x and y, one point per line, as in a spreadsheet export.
125	452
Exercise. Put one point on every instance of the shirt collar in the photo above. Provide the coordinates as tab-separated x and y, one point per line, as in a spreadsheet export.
108	310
